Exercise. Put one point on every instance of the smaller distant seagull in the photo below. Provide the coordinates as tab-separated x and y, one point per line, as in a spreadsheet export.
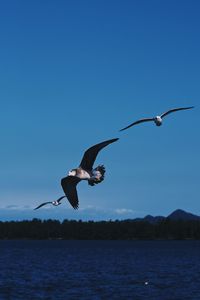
158	119
55	203
85	171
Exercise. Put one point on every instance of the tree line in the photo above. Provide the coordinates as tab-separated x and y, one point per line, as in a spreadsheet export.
99	230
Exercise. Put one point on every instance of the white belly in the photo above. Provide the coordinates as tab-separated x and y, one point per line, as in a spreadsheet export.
83	175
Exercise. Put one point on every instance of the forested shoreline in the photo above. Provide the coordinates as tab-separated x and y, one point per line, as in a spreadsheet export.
99	230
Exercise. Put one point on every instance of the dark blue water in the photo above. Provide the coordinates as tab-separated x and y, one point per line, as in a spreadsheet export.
100	270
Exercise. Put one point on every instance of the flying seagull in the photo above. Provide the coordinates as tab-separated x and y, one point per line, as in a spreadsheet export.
55	203
85	171
158	119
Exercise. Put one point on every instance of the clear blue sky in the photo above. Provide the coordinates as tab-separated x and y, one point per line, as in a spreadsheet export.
72	74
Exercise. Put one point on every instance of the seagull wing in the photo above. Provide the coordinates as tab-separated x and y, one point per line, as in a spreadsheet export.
137	122
59	199
91	154
175	109
69	184
42	205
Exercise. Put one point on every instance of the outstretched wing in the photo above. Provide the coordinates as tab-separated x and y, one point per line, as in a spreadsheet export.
175	109
91	154
137	122
59	199
69	187
42	205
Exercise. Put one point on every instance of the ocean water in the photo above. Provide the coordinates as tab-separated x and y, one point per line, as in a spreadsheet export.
59	269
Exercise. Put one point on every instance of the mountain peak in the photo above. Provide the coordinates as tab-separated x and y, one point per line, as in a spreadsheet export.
180	214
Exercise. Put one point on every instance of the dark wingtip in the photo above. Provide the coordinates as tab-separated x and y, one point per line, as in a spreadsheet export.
124	128
188	107
112	141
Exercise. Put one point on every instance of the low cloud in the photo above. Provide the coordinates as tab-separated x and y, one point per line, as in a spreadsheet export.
12	206
14	212
123	211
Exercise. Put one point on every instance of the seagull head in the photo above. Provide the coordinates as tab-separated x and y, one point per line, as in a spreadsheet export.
72	172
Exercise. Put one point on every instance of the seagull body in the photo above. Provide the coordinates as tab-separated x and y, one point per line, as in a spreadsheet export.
158	119
85	171
55	202
94	176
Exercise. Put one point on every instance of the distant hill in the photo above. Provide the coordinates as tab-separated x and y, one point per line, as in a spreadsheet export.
176	215
180	214
150	219
149	227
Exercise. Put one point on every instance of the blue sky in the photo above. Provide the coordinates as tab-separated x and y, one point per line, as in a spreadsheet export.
72	74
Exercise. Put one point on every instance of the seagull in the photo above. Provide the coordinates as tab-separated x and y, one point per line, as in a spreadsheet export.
158	119
55	203
85	171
